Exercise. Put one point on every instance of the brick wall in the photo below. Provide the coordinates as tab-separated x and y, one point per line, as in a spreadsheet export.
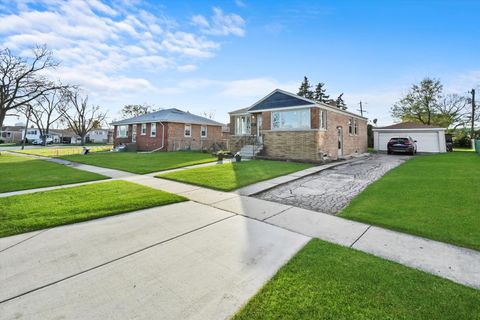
174	138
352	144
293	145
178	141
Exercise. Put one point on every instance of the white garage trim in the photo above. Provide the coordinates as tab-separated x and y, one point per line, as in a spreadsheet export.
430	140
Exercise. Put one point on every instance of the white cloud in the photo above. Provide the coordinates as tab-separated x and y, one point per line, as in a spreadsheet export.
220	24
187	68
102	45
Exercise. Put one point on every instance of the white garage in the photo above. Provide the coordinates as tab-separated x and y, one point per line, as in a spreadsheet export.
429	138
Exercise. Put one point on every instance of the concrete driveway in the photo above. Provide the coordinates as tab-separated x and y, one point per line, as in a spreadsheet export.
182	261
331	190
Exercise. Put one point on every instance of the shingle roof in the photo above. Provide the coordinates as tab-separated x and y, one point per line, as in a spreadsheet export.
169	115
243	110
409	125
280	99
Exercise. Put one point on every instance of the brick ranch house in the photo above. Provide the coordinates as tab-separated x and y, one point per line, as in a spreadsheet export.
287	126
168	130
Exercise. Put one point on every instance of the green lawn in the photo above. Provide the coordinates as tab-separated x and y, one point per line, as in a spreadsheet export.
47	209
63	151
327	281
435	196
143	162
20	173
230	176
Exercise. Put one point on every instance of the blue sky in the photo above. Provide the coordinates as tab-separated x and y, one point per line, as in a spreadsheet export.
217	56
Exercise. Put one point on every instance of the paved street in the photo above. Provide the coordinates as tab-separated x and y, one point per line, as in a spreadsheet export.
331	190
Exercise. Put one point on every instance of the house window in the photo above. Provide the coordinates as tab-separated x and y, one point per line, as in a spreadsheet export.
350	126
122	131
203	131
291	119
144	129
242	125
323	119
188	130
153	129
355	126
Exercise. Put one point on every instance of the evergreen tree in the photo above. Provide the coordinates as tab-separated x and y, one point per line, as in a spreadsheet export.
319	94
340	103
304	90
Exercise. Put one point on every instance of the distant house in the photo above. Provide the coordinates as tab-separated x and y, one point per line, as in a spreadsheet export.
11	134
286	126
33	134
100	136
169	130
67	136
429	138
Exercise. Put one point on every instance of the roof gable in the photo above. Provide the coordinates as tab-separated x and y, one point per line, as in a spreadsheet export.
280	99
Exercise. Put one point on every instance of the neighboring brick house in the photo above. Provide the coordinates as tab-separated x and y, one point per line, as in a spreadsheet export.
169	130
293	127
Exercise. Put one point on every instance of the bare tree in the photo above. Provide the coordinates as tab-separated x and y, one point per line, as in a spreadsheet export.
80	117
21	79
45	110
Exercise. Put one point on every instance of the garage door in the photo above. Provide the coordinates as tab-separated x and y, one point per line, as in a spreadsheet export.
426	141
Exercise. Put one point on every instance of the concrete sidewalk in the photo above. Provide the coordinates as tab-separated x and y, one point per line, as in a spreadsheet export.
182	261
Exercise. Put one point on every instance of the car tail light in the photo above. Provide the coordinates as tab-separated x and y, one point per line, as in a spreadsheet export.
407	142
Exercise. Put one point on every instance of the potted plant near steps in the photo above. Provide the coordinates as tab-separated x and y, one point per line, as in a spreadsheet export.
220	156
238	157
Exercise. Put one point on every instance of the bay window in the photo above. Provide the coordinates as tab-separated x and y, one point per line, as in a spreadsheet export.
242	125
291	119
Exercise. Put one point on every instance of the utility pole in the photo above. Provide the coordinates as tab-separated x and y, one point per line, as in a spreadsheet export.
472	133
361	109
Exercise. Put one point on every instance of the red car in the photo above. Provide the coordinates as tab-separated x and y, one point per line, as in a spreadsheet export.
403	145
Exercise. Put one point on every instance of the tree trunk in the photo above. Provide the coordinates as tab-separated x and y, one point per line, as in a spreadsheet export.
82	140
3	113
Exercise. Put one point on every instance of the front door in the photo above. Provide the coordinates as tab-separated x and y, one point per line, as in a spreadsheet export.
259	128
134	133
340	141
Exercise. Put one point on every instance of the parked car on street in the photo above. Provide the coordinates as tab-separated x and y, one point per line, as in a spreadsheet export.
403	145
49	140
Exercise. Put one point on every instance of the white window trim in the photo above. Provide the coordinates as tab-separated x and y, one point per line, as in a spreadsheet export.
118	131
143	129
323	120
248	125
350	126
355	127
185	130
292	129
153	133
201	131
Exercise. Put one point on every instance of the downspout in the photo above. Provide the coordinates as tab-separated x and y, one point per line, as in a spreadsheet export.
163	139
